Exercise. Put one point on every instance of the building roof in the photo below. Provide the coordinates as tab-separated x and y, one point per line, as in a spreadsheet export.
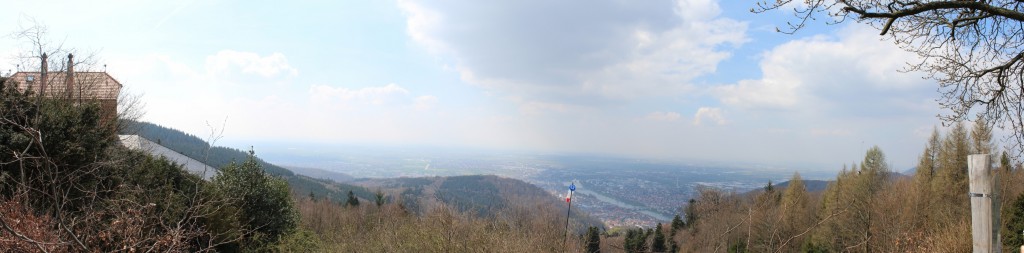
194	166
89	85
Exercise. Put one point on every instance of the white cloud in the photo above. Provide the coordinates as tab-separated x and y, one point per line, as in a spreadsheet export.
851	73
374	95
420	23
576	51
768	92
227	62
537	107
663	116
424	103
709	115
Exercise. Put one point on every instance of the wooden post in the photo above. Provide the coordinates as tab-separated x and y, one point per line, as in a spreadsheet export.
984	221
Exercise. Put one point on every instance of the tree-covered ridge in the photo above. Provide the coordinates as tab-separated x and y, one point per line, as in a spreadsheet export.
865	208
195	147
485	196
219	157
470	193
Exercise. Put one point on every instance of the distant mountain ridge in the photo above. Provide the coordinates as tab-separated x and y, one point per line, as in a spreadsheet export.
322	174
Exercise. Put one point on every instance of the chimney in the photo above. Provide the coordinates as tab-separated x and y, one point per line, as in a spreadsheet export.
42	76
70	86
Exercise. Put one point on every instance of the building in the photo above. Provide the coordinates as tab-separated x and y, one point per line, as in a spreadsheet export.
154	149
81	86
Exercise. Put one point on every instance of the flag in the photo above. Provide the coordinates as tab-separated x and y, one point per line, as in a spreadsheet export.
568	197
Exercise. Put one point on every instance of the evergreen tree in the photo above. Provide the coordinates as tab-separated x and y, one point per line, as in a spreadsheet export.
378	198
265	201
928	163
1004	162
677	224
352	200
827	235
796	213
658	243
850	202
950	181
593	240
635	241
738	247
1014	225
691	213
924	176
55	147
795	195
874	170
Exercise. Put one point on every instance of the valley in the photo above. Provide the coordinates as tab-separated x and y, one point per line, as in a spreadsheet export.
617	191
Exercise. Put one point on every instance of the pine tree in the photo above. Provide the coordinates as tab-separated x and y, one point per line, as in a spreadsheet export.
636	240
593	240
924	176
795	195
850	202
950	181
658	244
677	224
981	135
796	215
265	201
352	200
928	163
691	213
1004	162
378	198
1014	224
874	170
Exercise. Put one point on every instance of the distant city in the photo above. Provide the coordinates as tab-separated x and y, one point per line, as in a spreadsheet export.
621	192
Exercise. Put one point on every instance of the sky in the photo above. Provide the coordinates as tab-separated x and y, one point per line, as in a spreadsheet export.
685	80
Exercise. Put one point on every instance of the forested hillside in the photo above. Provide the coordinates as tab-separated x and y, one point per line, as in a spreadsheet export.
865	208
485	196
193	146
218	157
448	214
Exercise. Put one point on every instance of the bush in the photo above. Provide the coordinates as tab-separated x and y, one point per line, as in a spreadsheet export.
265	203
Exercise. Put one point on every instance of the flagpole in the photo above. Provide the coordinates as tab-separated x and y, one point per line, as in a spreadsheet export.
565	240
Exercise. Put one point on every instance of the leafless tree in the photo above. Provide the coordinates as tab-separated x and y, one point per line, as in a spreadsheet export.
34	39
974	50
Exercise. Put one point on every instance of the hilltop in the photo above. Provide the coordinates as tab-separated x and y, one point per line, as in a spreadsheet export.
486	196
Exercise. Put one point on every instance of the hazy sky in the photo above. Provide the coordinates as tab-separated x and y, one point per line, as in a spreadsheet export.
681	80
